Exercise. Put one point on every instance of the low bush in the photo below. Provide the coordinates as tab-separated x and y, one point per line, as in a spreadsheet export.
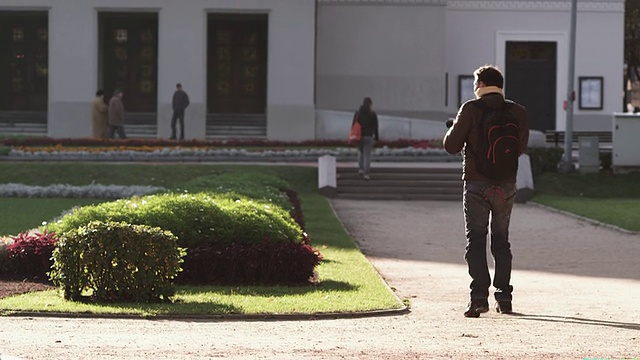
249	184
296	211
28	256
252	184
605	160
6	266
117	262
193	218
250	263
544	159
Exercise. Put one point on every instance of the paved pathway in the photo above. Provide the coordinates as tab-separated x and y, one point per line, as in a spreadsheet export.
577	294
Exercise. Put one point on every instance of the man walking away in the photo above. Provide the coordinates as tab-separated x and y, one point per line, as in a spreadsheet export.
179	103
492	133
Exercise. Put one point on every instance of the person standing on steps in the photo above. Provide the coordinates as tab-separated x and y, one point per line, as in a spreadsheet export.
180	103
492	133
368	120
116	115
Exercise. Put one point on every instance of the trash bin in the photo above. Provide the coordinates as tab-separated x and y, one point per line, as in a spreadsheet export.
588	154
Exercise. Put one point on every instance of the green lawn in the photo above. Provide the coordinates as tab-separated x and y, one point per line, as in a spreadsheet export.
348	282
622	213
605	197
17	215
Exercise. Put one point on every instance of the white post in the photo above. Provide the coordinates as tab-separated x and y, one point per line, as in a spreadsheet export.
327	181
524	180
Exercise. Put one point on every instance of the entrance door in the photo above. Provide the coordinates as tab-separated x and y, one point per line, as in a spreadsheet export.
128	58
530	79
24	62
237	64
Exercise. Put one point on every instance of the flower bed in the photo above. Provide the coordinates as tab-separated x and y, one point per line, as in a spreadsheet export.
252	150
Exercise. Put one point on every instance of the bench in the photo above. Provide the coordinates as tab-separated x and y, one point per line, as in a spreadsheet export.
556	137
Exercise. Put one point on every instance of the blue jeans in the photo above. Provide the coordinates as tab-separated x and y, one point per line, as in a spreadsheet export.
483	202
365	146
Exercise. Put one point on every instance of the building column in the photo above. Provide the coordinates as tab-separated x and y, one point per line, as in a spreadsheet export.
182	55
290	72
72	68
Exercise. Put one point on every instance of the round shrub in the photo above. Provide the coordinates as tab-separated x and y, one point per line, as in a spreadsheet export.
194	218
117	262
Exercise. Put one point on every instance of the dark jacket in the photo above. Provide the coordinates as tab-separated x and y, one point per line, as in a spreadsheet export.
180	100
463	135
368	122
116	112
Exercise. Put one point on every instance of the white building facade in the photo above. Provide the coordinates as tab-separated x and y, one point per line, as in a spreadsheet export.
289	66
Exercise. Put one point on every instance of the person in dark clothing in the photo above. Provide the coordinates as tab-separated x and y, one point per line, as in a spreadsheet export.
116	115
486	199
368	120
180	103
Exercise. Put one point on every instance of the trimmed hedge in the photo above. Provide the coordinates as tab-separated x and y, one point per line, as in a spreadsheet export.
254	185
117	262
544	159
250	263
193	218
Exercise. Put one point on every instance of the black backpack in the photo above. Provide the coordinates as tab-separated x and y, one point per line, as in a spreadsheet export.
498	143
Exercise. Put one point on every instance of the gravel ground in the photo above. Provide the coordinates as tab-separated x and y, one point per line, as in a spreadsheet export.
577	290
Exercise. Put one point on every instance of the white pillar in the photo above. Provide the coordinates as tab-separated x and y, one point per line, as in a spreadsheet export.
182	58
524	180
327	182
72	68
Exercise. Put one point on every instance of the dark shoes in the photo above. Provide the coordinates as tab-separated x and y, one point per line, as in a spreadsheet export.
479	306
504	307
476	307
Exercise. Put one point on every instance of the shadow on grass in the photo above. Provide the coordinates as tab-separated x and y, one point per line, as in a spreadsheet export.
267	291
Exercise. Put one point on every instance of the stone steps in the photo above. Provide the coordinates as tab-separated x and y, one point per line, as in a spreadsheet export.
400	183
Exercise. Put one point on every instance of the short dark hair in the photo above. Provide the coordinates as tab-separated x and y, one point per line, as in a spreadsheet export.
490	75
99	92
178	85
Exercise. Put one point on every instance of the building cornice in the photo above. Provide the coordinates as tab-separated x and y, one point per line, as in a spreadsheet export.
383	2
561	5
538	5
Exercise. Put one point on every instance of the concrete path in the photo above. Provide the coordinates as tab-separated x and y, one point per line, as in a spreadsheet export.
577	296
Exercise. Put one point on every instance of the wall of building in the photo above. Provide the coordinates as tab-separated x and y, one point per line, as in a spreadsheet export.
73	60
334	53
599	46
390	50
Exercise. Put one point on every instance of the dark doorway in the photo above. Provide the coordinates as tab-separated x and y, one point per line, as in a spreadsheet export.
530	79
237	64
24	62
129	58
